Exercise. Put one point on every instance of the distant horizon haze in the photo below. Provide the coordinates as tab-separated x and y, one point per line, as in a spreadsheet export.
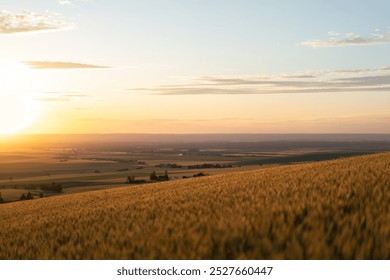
183	138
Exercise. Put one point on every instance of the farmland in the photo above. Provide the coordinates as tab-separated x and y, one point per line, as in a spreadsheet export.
84	163
337	209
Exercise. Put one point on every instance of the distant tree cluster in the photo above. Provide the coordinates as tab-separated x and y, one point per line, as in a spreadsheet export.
1	199
153	176
27	196
132	180
200	174
210	165
169	165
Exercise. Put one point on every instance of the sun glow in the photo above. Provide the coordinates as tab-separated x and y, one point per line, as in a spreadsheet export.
17	113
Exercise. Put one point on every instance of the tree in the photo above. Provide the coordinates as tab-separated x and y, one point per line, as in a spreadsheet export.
166	176
29	196
1	199
153	176
200	174
130	179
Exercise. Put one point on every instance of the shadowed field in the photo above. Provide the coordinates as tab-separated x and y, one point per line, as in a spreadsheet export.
337	209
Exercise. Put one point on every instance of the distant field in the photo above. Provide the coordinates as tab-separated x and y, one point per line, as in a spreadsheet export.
14	194
76	183
337	209
82	166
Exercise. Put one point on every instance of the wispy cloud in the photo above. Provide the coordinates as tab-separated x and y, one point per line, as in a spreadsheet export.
60	65
328	81
299	76
26	22
70	2
356	72
349	39
58	96
54	99
65	2
76	95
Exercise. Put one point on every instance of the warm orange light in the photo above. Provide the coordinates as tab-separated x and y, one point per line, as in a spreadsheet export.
17	113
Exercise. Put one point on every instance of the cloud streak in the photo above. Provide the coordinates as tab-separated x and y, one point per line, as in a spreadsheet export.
355	80
27	22
53	99
349	39
70	2
60	65
64	2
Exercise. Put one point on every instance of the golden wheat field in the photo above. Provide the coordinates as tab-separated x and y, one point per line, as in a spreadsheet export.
337	209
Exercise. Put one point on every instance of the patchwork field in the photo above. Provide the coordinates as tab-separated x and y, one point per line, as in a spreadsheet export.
336	209
84	166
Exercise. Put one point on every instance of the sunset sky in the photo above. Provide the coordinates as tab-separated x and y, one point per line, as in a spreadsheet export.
194	66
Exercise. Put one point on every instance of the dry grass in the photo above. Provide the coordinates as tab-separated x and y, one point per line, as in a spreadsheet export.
331	210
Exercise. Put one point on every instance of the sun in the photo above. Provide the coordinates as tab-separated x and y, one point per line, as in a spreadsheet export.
17	112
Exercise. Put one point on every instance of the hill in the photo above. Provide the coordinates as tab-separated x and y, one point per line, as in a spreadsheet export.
336	209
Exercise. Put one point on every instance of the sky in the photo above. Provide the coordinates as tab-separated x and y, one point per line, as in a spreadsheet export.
194	66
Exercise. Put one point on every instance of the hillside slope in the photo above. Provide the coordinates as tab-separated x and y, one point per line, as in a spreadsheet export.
328	210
